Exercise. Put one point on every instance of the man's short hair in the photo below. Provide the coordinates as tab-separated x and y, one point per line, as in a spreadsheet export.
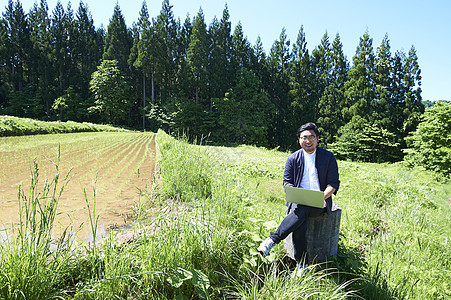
308	126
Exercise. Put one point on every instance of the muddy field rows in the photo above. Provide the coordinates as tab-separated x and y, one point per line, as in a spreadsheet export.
116	165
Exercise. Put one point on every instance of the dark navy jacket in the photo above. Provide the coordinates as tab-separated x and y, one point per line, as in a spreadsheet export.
327	168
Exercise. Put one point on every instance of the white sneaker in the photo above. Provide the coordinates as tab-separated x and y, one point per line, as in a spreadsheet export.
265	247
300	270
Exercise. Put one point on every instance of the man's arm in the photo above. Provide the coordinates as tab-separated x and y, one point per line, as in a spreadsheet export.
288	174
328	192
333	180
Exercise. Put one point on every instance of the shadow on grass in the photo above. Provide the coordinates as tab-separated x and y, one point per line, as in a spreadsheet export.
370	282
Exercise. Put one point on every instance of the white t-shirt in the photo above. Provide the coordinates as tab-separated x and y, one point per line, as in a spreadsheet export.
310	179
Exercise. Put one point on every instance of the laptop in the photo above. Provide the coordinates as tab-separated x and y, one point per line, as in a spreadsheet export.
304	197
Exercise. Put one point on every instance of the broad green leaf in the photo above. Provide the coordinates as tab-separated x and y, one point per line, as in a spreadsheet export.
201	283
200	279
252	251
270	224
184	274
256	238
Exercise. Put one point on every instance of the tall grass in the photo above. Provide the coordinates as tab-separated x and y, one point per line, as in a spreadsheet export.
33	264
398	222
219	224
276	283
201	240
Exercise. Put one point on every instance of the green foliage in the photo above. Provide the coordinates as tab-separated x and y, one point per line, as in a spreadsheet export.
118	40
300	81
111	91
430	143
48	58
360	88
197	54
188	179
361	141
192	119
13	126
159	118
67	105
332	101
243	113
394	231
24	103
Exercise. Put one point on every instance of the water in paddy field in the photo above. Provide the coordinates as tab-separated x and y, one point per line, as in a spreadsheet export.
112	169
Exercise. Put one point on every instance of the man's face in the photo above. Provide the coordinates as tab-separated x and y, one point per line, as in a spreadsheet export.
308	141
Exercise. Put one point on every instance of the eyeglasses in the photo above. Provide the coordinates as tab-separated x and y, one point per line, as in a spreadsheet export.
309	138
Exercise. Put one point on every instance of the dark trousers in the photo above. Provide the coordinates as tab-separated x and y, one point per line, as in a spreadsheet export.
296	222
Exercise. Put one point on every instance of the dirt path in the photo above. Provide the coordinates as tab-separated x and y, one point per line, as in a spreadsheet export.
117	165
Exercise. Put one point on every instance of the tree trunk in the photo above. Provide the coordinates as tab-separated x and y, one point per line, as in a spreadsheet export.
197	95
144	102
153	90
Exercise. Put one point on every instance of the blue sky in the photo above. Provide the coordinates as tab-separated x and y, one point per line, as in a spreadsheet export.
424	24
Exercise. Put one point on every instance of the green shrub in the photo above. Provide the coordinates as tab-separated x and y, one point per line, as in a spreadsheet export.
361	141
14	126
431	142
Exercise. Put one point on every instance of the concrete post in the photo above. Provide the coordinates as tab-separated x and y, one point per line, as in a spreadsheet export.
322	236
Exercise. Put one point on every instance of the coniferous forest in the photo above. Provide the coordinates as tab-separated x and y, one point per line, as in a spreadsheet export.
207	80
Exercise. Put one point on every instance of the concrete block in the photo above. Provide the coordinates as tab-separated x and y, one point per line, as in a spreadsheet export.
322	236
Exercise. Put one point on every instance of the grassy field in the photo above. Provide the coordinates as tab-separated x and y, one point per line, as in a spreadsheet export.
201	222
395	226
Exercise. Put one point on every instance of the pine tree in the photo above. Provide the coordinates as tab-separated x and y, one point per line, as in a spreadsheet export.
72	74
42	72
360	91
260	62
135	60
300	80
321	68
224	42
118	40
59	36
405	107
412	81
330	118
19	42
183	79
4	45
21	99
137	79
279	62
241	51
137	75
384	77
87	48
214	64
219	66
152	54
166	29
197	56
